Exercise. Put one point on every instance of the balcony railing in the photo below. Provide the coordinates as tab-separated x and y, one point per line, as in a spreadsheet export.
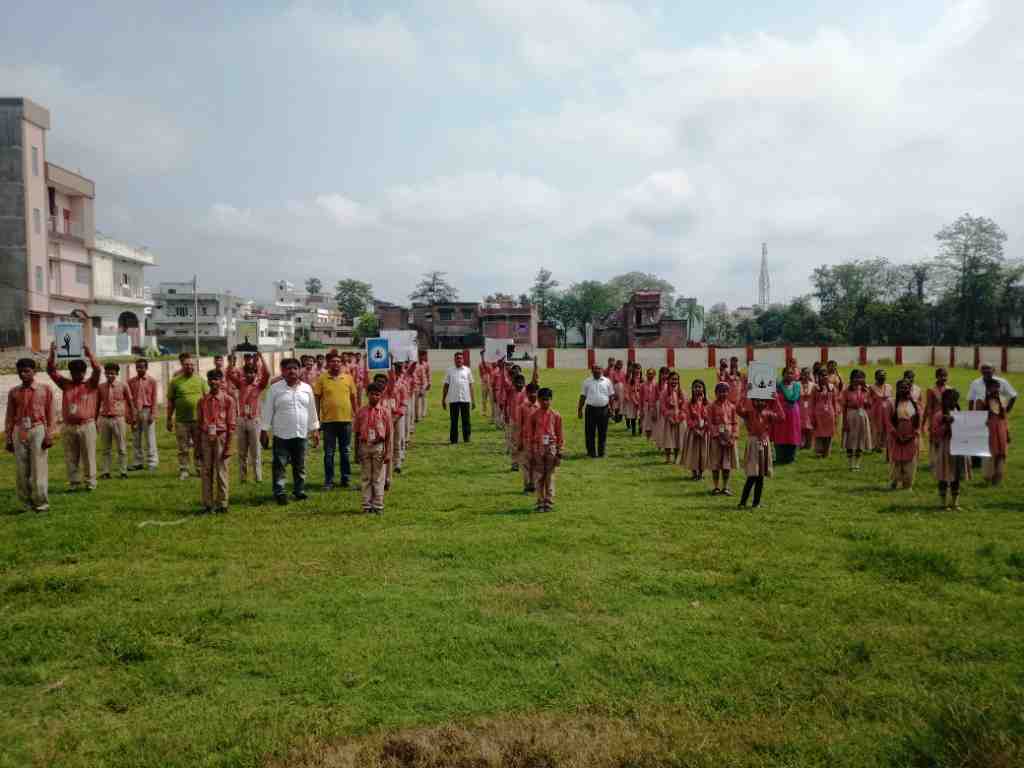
62	227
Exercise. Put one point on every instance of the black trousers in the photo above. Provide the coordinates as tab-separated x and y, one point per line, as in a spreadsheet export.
596	426
457	411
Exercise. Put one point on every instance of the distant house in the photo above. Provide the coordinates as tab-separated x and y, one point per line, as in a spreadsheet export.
512	321
447	325
640	322
391	317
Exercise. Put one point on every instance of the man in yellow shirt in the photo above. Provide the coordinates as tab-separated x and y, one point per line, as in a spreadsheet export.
335	392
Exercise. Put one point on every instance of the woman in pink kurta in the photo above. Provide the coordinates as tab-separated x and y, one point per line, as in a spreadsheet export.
788	432
904	437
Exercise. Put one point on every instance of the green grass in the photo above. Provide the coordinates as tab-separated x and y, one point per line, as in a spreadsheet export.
642	623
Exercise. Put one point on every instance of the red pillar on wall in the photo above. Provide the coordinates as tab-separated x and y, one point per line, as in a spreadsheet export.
933	357
750	354
824	355
712	362
631	355
977	357
1004	360
670	357
551	358
862	356
899	355
952	357
466	359
789	353
591	358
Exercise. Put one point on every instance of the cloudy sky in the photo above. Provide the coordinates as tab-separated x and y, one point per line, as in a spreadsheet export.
487	138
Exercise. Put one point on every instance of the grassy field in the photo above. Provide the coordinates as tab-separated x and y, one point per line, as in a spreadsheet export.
644	623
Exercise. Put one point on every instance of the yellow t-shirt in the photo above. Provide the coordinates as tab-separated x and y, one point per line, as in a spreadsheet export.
335	396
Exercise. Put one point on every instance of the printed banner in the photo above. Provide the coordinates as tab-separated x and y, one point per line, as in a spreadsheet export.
378	357
247	335
761	381
402	345
495	349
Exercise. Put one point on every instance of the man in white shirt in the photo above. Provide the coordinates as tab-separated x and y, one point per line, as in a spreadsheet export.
289	412
598	393
457	398
977	390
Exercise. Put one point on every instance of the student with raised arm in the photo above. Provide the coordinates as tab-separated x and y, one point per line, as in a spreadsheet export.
250	385
79	406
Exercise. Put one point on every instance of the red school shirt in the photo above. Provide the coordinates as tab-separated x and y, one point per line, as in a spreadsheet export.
373	424
34	403
546	430
115	400
143	390
217	413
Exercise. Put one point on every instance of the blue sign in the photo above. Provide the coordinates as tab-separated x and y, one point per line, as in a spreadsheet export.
378	355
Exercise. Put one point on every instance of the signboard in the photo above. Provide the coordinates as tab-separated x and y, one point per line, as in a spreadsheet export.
68	337
402	345
495	349
970	434
247	335
378	357
761	381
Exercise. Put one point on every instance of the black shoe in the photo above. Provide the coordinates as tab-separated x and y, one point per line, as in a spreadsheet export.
328	486
345	483
398	470
282	500
300	496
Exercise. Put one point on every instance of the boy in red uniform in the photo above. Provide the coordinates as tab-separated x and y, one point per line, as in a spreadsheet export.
217	420
28	434
527	408
249	386
78	411
546	442
116	413
143	394
373	432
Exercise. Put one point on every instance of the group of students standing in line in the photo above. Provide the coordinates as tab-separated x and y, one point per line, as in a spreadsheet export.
534	437
308	399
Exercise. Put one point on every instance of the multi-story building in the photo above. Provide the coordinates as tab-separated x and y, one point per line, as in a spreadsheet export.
512	321
53	264
325	326
447	325
174	317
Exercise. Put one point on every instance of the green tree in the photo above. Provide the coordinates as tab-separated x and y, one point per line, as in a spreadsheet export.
434	289
587	302
544	294
353	297
366	327
622	287
969	267
802	325
844	291
498	298
770	323
719	327
693	313
313	286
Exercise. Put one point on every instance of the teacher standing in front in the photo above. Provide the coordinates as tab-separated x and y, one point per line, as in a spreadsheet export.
598	392
458	399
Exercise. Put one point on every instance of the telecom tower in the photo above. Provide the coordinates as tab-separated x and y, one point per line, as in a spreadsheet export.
764	283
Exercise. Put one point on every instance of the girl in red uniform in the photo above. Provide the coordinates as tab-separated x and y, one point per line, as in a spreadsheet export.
933	403
807	387
998	434
723	436
695	442
631	398
823	415
546	442
904	431
949	470
856	422
880	410
759	416
649	403
673	418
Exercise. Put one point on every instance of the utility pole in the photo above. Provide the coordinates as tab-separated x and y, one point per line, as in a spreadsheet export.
195	313
764	284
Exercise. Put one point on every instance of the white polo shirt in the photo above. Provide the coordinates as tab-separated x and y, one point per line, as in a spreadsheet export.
597	391
289	412
459	380
977	390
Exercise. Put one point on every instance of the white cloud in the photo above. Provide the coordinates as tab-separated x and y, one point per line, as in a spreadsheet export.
482	196
383	38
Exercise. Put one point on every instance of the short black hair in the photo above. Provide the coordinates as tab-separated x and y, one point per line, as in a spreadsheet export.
184	356
25	363
112	367
142	361
531	387
290	361
375	387
544	393
214	374
519	380
77	365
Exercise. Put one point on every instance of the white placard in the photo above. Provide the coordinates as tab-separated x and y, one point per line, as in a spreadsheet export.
970	434
403	345
496	349
69	341
761	381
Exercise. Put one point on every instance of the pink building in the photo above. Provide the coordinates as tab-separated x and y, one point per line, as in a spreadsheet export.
53	264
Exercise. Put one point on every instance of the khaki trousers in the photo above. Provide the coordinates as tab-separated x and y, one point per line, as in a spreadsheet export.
421	406
249	450
372	475
187	435
214	471
903	473
32	466
544	468
113	429
410	418
144	439
80	453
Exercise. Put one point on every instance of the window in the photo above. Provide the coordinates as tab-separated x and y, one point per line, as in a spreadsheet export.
124	279
39	275
171	290
446	315
37	221
82	274
181	311
467	314
35	161
202	309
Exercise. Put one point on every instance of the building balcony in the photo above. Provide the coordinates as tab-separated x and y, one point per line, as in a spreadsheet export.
136	253
67	228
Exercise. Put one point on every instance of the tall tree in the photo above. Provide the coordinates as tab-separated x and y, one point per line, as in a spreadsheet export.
969	266
434	289
693	313
587	302
353	297
365	327
313	285
718	325
624	286
544	294
844	291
